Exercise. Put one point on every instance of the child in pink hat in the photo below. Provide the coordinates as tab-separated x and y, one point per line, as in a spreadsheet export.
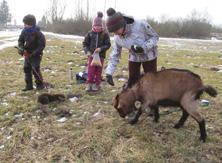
96	41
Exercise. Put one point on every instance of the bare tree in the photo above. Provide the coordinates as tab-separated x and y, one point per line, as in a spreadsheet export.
56	11
5	16
87	9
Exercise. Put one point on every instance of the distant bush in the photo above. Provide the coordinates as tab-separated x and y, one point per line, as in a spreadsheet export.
70	26
195	26
78	25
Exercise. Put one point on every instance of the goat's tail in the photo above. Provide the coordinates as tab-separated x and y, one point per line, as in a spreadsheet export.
210	90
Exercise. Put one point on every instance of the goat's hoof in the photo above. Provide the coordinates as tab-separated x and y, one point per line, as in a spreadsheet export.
177	126
203	139
156	120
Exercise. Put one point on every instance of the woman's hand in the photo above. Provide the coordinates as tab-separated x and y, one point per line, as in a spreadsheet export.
137	49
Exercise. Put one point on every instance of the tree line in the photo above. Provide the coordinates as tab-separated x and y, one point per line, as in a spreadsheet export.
190	27
5	15
196	25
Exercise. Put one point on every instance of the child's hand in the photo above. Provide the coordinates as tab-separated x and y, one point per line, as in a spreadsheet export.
97	50
88	54
20	51
26	54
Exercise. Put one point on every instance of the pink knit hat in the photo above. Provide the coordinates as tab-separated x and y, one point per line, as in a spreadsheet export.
98	20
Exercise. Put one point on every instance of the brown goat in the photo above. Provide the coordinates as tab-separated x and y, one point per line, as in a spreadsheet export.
169	87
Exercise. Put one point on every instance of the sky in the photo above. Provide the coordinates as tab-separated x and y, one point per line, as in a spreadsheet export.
156	9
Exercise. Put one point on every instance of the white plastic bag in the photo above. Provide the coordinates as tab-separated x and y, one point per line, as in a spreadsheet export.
96	60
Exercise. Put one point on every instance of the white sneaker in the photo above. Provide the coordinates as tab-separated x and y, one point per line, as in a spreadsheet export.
88	87
95	87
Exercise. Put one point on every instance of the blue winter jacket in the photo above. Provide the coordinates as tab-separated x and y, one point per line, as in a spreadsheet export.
32	40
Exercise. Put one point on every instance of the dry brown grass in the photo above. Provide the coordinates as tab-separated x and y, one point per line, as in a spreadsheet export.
31	133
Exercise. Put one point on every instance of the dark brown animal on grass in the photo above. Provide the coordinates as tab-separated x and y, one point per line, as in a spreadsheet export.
47	98
169	87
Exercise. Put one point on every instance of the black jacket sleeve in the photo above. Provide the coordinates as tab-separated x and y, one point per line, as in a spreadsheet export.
21	40
41	42
106	43
86	43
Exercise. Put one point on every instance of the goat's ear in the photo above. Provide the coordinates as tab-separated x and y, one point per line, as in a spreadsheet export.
116	101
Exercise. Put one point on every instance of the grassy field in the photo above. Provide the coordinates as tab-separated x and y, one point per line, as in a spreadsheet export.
94	132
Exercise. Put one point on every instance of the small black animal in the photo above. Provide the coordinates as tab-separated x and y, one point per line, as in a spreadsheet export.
47	98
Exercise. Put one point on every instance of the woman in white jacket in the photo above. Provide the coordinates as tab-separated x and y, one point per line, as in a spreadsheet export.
139	38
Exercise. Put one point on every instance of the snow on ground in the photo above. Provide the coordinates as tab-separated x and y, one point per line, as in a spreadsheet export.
191	44
10	39
63	36
8	44
9	33
189	40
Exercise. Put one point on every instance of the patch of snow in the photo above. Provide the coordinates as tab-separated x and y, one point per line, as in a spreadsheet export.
97	113
8	44
122	79
70	63
9	33
214	38
13	93
73	99
63	119
5	104
8	137
210	127
6	114
18	115
69	86
47	70
188	40
2	146
13	37
63	36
